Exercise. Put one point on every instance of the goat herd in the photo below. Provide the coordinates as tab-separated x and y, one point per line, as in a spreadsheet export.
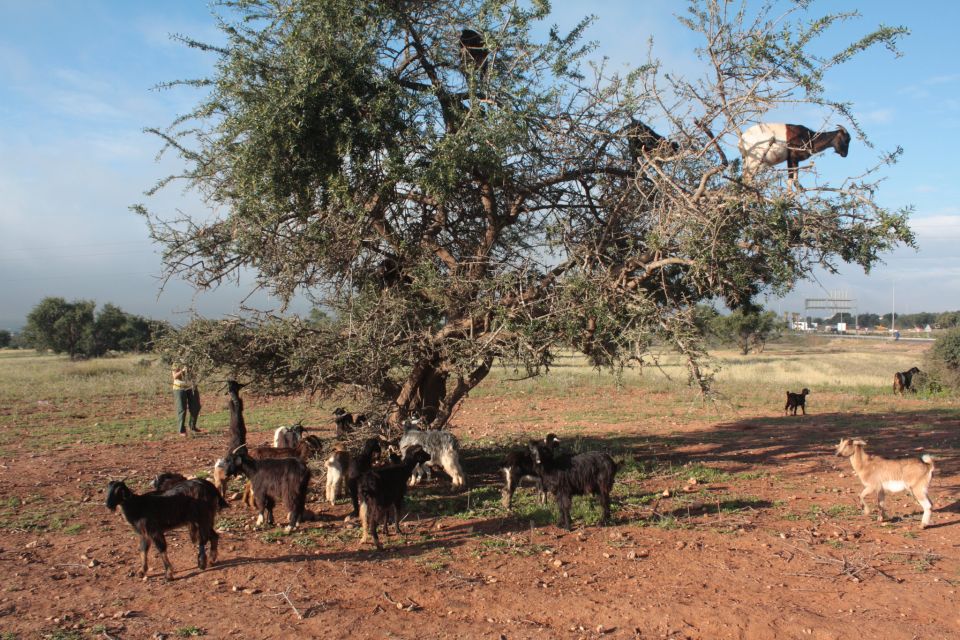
280	474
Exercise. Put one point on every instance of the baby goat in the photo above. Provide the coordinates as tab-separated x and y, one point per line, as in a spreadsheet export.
796	401
903	380
360	464
285	479
288	437
518	466
337	465
151	514
443	448
382	491
878	475
587	473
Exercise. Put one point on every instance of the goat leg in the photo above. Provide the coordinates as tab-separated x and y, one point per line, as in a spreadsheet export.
927	508
144	548
605	503
563	504
863	500
880	517
214	541
202	556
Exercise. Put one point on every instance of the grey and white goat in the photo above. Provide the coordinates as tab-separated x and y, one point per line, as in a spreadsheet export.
443	448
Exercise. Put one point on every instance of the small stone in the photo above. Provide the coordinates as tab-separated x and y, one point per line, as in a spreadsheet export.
606	555
666	493
631	555
235	588
680	545
252	591
692	481
32	545
93	563
558	563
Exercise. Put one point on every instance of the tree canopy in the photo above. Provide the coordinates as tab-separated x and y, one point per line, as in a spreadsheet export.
454	206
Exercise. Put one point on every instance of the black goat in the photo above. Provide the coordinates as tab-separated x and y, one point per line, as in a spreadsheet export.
382	490
518	466
177	484
273	481
641	137
347	422
238	428
152	514
587	473
796	401
903	380
360	464
474	47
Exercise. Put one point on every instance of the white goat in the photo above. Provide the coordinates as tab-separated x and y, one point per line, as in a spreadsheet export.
336	465
879	474
288	437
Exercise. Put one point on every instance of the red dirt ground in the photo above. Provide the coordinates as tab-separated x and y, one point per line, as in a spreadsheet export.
783	566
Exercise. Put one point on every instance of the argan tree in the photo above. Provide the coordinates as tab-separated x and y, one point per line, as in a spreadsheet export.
456	192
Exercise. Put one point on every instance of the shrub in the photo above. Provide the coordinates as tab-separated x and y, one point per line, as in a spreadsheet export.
942	366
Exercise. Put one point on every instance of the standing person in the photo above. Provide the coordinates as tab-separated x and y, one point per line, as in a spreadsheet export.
186	396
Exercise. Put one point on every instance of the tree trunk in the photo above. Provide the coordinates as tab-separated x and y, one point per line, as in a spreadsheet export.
425	392
422	393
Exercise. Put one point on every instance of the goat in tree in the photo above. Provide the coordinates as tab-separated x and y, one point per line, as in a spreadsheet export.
768	144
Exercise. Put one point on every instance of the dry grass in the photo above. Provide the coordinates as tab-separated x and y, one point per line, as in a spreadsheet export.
27	376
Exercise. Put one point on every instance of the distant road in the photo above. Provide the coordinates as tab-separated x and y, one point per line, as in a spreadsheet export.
888	338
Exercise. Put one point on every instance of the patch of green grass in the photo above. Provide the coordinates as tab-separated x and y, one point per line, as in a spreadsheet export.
510	546
64	634
35	513
189	632
275	535
74	528
704	473
833	511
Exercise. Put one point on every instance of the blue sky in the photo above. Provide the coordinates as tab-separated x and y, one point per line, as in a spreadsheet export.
76	91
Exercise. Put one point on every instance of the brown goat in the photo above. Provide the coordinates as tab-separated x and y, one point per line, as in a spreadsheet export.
903	380
879	474
796	401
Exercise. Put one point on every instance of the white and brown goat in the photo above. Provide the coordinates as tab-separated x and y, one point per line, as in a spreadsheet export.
771	143
879	475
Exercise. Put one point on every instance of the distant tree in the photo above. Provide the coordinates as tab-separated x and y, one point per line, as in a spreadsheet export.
61	326
748	327
74	329
948	319
5	338
453	213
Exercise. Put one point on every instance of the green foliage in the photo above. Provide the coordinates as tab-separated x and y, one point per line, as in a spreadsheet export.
748	328
5	338
941	370
451	214
72	328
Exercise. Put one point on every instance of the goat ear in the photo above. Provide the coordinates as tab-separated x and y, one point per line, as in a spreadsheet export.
860	443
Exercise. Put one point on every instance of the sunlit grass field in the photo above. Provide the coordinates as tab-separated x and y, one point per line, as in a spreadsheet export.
59	401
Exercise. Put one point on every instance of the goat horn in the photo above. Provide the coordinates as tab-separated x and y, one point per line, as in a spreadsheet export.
243	446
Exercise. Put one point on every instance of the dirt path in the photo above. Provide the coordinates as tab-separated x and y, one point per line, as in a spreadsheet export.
767	543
